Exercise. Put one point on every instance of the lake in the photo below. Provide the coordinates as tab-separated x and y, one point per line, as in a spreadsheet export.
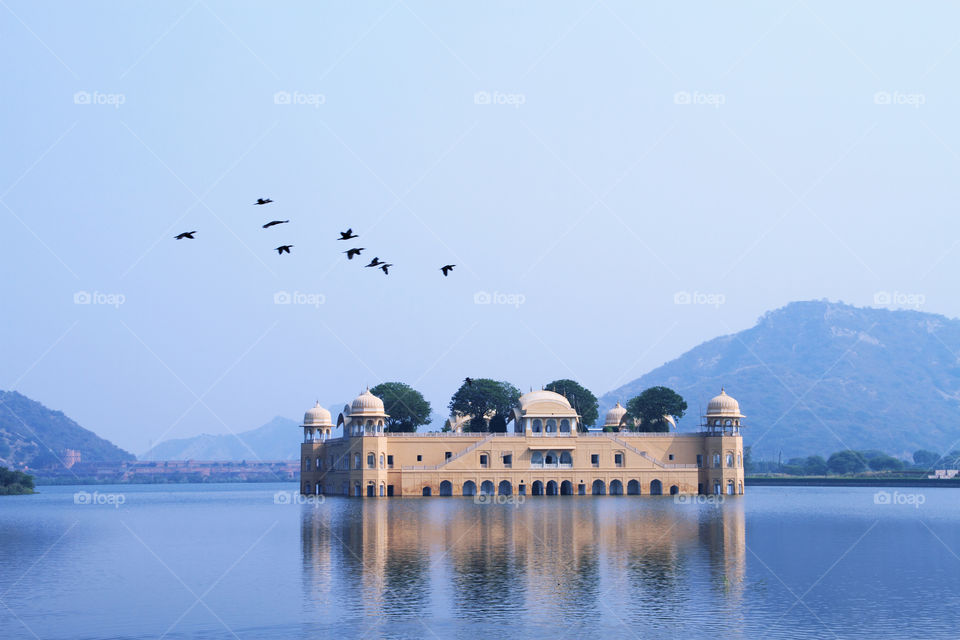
253	561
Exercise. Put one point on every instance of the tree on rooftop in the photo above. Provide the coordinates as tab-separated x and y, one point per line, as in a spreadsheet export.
486	402
580	398
648	410
405	405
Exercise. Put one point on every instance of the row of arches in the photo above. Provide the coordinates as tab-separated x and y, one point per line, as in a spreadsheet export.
553	488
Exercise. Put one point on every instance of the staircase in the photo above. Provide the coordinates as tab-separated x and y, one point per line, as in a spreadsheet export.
644	454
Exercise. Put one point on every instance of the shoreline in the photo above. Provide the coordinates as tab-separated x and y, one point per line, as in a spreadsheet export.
819	481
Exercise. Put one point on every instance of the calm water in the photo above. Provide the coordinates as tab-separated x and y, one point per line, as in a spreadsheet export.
228	561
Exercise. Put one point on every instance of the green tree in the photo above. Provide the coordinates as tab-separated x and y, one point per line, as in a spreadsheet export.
885	463
405	405
650	407
815	466
482	399
580	398
925	458
848	461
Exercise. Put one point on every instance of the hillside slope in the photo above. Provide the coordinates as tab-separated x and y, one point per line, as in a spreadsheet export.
815	377
276	440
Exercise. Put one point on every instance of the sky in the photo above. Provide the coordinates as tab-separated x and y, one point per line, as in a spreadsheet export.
616	182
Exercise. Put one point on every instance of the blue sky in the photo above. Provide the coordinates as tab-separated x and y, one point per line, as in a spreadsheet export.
584	164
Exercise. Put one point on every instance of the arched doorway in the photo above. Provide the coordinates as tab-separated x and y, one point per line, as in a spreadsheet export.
633	488
616	488
566	488
552	488
656	488
536	489
426	491
599	488
674	489
486	488
469	488
504	488
446	488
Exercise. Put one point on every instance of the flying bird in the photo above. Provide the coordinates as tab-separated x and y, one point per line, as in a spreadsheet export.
274	222
347	235
263	201
375	262
385	266
186	234
353	252
447	268
283	248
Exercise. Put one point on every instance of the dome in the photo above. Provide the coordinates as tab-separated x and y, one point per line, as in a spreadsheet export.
615	415
724	406
542	397
366	402
317	416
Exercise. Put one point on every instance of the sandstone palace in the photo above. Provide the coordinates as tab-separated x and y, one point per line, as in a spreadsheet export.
542	453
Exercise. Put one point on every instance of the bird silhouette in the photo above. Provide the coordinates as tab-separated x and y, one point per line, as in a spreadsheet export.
185	234
263	201
274	222
347	235
468	382
447	268
375	262
353	252
385	267
283	248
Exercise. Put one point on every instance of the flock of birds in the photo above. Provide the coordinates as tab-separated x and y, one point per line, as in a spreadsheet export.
344	235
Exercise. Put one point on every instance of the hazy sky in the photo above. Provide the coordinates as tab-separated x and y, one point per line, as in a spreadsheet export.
581	163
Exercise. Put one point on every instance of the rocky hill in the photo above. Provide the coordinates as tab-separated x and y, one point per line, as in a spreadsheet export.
276	440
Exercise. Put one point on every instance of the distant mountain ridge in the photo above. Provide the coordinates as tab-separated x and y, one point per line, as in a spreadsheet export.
38	437
276	440
816	377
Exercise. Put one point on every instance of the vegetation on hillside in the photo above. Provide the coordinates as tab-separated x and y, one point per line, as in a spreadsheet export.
850	462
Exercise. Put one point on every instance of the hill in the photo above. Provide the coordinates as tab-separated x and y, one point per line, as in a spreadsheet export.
276	440
815	377
38	437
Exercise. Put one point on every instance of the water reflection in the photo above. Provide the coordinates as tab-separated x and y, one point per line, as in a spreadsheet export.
561	562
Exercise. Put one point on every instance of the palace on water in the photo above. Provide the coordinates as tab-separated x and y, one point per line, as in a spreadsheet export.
542	453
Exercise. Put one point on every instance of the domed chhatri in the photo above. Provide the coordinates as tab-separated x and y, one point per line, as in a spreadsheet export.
317	424
615	416
540	450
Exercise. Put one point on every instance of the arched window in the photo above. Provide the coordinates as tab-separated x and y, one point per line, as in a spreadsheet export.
469	488
566	458
729	459
716	460
550	458
633	488
599	488
656	488
306	464
564	426
551	425
741	488
486	488
426	491
504	488
319	463
536	458
739	459
356	461
371	461
566	488
537	425
616	488
319	489
536	488
674	490
446	488
382	491
381	461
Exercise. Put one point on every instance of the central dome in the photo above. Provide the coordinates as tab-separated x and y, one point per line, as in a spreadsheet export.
366	402
615	416
537	397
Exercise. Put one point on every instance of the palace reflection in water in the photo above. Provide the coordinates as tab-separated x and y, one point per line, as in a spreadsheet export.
567	564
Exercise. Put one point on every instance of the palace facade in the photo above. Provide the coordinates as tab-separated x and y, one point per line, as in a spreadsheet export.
543	452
